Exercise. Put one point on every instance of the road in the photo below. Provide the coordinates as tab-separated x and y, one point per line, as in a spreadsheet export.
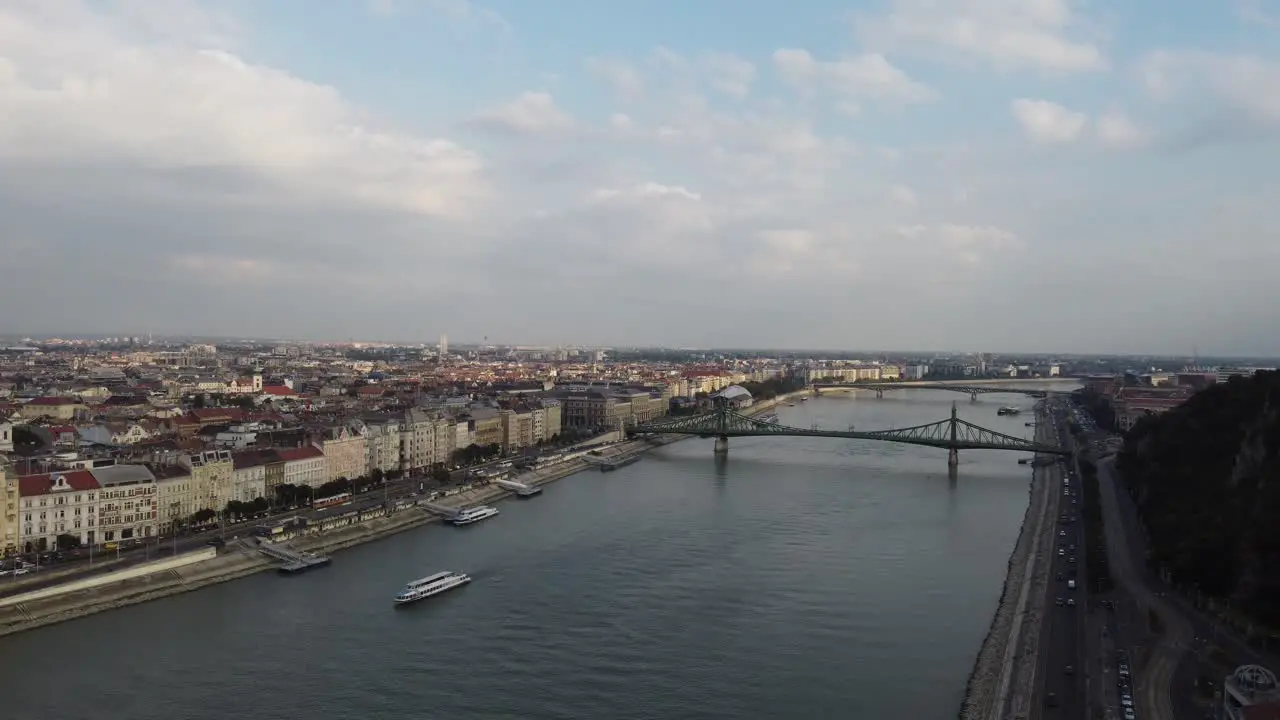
1061	686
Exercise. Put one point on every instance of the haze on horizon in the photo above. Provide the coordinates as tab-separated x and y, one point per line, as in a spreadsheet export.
830	174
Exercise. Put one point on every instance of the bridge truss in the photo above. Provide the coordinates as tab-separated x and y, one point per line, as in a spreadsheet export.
973	391
950	434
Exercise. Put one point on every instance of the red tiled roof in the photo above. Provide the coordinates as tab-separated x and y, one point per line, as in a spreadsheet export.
31	485
306	452
53	401
278	390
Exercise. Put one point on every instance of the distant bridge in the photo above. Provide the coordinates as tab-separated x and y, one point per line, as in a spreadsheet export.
952	434
972	388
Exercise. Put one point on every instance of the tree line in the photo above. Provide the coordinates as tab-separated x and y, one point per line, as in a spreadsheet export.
1206	480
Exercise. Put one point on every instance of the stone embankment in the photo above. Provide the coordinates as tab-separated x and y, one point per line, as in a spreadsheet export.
237	563
1012	640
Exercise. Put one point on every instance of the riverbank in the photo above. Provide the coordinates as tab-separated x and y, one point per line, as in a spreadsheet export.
1012	626
244	561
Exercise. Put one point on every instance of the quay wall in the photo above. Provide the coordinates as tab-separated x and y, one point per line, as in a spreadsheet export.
153	581
111	578
1014	626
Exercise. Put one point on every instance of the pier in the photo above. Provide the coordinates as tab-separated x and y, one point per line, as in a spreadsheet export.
443	511
294	561
519	488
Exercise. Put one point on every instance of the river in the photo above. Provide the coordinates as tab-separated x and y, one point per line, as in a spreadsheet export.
798	578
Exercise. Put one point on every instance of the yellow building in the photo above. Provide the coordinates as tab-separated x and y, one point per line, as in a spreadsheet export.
175	497
212	479
9	539
344	451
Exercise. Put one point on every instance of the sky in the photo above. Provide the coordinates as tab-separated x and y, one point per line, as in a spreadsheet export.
980	175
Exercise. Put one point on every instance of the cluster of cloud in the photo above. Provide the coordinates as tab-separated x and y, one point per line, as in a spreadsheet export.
145	154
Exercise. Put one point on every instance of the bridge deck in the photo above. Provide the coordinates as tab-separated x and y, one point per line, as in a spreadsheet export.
950	434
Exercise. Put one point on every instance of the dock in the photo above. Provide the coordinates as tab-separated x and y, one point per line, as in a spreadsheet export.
609	465
519	488
443	511
293	561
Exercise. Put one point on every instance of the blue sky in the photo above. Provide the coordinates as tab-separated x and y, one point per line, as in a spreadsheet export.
888	174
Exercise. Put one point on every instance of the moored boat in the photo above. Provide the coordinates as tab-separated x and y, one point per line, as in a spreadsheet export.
473	515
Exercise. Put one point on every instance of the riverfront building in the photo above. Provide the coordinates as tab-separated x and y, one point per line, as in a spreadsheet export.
1250	693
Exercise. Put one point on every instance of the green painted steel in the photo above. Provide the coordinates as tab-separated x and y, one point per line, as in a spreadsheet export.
952	433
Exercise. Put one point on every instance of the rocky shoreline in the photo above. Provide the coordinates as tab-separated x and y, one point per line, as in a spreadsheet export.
990	681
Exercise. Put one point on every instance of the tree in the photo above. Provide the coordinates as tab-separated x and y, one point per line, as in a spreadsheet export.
440	474
377	477
67	542
1203	478
199	401
203	516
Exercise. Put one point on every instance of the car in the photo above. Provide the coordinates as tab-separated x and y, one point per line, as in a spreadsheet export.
1060	577
1071	602
1051	700
1126	700
1069	670
1062	533
1128	714
1058	602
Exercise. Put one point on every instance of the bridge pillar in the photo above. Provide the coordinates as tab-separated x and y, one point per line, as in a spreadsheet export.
953	459
722	445
973	397
879	393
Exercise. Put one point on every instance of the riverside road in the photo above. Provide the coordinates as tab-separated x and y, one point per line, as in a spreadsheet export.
797	578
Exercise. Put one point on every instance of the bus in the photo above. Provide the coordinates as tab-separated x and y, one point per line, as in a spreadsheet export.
338	499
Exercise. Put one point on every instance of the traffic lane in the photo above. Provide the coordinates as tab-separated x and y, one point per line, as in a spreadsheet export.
1154	689
33	582
1064	678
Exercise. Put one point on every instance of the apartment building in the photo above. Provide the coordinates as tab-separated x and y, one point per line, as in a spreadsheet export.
426	438
212	475
249	474
382	445
59	503
304	466
345	451
8	511
127	502
175	496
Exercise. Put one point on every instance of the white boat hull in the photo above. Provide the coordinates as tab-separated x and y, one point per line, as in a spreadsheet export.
443	587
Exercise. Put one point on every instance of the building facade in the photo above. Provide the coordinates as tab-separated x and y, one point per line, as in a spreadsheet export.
344	452
127	502
60	503
9	503
212	476
304	466
175	497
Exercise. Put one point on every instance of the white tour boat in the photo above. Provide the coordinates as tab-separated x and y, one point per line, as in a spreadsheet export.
472	515
432	585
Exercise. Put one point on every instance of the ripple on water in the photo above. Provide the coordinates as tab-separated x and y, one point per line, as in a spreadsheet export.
802	578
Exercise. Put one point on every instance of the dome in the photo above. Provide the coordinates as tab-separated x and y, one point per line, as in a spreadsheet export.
1255	678
734	392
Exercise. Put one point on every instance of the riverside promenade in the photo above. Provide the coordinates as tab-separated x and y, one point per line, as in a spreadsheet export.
1004	674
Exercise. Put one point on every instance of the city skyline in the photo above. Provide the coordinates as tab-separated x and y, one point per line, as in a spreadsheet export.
833	175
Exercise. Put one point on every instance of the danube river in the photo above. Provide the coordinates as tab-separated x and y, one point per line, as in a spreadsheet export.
799	578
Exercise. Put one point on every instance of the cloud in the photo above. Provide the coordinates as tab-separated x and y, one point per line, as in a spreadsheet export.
1265	13
99	100
533	113
1116	130
1244	84
463	11
1007	34
1047	122
853	80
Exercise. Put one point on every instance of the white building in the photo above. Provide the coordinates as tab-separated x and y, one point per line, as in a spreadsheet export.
304	466
60	503
249	477
126	502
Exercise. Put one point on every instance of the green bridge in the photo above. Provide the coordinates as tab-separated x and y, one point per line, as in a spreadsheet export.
952	434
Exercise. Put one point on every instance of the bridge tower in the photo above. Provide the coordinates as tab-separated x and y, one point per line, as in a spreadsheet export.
973	396
953	455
